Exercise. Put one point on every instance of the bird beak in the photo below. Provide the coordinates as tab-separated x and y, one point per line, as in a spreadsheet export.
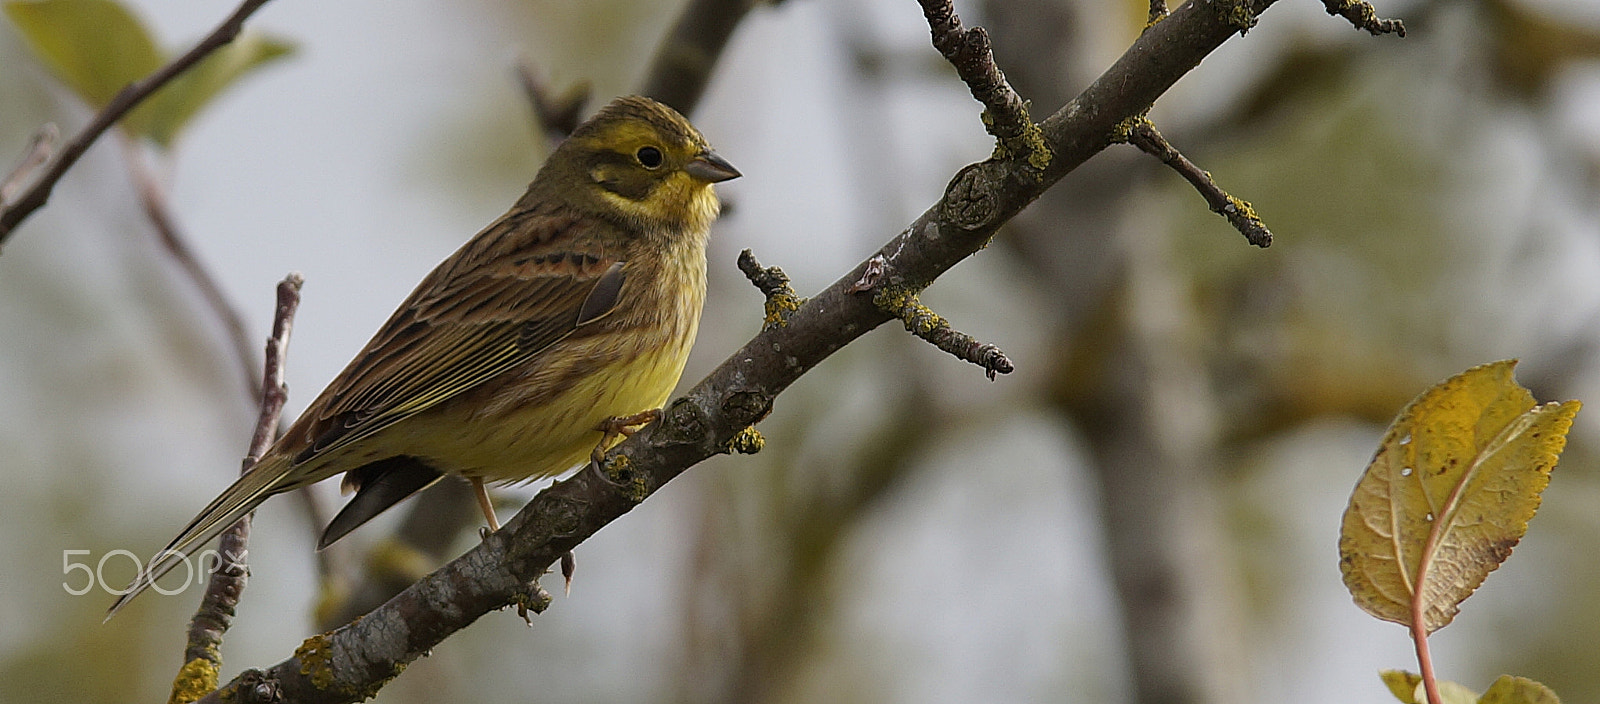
711	168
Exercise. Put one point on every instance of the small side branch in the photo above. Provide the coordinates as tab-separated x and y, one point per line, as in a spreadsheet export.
774	284
1158	12
1142	134
125	100
38	152
1364	16
154	202
1005	114
557	115
203	656
919	320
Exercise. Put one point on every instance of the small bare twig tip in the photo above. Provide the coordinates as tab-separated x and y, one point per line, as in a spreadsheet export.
215	614
1142	134
935	330
1363	15
774	285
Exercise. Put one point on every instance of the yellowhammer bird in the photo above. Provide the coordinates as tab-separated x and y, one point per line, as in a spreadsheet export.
567	319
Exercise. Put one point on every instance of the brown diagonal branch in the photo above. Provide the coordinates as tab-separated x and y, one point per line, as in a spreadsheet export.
352	662
202	659
125	100
1142	134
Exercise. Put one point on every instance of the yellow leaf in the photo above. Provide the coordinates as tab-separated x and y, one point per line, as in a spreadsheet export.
1450	693
1518	690
1403	685
1448	494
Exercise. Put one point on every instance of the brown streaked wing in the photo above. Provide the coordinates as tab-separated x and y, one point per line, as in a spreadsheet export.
503	298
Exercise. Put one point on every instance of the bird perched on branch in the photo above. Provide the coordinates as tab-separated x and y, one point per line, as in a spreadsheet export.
561	326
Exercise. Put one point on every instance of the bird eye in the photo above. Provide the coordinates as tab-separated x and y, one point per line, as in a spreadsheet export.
650	157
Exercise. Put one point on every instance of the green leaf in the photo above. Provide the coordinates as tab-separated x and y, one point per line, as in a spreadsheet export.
1448	494
163	116
1518	690
1403	685
97	47
94	46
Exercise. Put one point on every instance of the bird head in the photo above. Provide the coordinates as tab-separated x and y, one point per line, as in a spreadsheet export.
641	164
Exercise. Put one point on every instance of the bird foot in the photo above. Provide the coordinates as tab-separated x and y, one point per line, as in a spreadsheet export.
621	426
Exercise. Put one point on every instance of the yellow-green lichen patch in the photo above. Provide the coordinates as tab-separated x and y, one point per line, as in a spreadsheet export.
893	299
316	662
1122	132
780	305
901	302
195	679
619	469
1239	14
1030	144
746	442
1243	208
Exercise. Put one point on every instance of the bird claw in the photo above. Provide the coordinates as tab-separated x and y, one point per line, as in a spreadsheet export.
624	426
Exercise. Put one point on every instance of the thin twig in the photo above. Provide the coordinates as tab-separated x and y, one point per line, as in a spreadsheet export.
202	658
1364	16
1005	114
935	330
124	101
1142	134
38	152
154	201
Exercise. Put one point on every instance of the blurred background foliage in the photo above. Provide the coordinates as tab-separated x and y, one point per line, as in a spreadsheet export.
1146	511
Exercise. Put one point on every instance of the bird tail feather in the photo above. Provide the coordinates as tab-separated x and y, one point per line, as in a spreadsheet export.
252	488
